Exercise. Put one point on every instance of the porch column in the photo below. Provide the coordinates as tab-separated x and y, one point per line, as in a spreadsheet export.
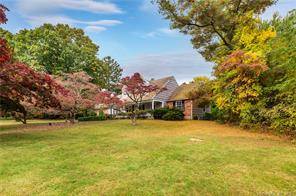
152	106
162	104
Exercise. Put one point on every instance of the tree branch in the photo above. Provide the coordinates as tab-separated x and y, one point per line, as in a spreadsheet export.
199	26
221	36
238	5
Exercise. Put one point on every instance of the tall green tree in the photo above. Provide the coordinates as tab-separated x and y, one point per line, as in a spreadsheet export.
282	57
280	80
109	74
56	49
212	24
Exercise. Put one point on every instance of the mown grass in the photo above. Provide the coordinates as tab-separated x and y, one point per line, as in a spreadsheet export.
6	125
153	158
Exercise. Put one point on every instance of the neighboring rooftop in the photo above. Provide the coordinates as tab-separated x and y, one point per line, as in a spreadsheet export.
162	81
182	92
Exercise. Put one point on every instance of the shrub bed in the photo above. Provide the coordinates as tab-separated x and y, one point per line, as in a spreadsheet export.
159	113
92	118
100	117
173	115
168	114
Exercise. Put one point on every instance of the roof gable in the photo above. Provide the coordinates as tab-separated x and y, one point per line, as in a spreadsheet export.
182	92
160	83
169	83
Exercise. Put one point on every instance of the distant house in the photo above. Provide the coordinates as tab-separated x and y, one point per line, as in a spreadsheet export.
173	96
180	99
156	99
106	109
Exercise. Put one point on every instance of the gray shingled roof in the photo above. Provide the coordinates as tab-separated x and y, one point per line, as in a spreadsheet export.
160	83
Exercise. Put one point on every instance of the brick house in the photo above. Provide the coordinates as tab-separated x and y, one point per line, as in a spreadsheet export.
173	96
180	99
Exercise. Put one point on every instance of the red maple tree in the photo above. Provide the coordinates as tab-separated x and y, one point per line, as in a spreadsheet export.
21	86
3	18
81	93
135	88
4	50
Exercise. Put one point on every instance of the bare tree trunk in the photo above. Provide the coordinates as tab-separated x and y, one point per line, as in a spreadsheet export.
21	116
134	119
66	119
72	117
24	118
111	111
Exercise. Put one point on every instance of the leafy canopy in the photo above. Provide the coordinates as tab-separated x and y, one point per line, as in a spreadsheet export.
212	24
56	49
135	88
81	92
237	89
109	74
202	93
21	86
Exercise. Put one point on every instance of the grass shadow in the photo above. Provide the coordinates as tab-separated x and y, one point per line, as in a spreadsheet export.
21	138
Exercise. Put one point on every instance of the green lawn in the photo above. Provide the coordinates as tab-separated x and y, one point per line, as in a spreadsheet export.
153	158
6	125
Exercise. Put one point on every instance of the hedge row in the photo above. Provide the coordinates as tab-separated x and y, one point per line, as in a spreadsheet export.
92	118
100	117
168	114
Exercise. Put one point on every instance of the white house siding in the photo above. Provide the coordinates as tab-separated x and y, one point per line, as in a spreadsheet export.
170	86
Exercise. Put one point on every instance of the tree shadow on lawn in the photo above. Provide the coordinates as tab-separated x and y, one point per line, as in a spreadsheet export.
5	129
15	135
20	139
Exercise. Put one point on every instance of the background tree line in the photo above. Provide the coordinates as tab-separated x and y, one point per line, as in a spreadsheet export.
59	49
255	60
53	70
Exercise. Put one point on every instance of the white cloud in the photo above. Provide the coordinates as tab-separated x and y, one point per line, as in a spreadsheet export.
147	6
150	34
184	66
95	29
102	22
93	26
42	6
161	32
169	32
55	19
39	20
38	12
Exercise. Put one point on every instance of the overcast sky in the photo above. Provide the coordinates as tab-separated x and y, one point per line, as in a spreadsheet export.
131	31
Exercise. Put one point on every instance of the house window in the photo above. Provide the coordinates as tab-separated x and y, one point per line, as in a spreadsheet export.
179	105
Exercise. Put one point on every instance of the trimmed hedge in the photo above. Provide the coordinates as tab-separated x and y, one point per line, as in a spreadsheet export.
173	115
100	117
159	113
91	118
88	113
168	114
208	116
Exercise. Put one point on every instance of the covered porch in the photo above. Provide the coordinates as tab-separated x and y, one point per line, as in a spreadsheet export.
146	105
